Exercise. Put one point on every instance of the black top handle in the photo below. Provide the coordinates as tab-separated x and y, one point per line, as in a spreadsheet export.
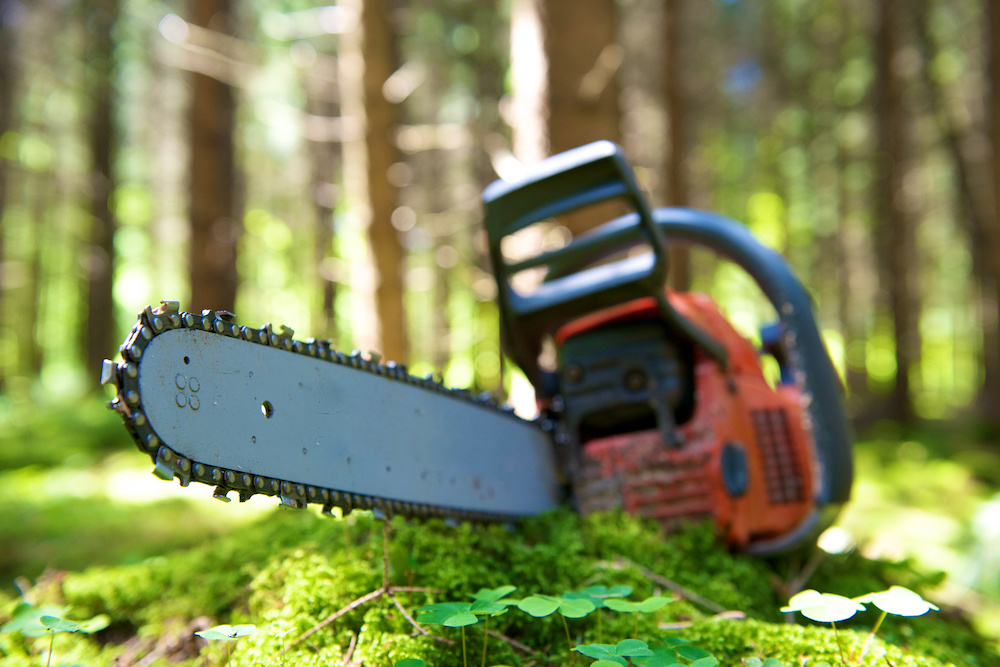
574	286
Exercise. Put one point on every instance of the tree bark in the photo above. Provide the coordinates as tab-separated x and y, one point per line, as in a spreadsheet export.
976	213
7	78
324	158
571	82
990	396
368	58
381	121
99	341
898	241
214	210
676	102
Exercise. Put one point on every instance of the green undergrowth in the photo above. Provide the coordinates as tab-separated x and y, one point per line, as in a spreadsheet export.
66	518
50	434
289	572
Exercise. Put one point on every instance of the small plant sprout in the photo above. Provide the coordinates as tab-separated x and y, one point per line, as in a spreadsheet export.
757	662
33	621
824	608
648	606
487	602
540	606
674	649
898	601
598	595
613	655
227	633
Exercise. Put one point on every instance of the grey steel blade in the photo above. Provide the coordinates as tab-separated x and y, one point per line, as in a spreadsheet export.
260	410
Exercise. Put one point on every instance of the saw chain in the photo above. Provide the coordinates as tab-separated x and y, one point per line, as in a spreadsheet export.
169	464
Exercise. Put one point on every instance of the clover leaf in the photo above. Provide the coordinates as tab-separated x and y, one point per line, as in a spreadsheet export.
227	632
647	606
26	619
823	607
672	649
598	595
448	614
899	601
496	595
615	653
544	605
409	662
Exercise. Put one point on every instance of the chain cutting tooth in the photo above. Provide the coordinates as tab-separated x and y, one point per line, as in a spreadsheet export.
162	467
109	373
168	308
222	493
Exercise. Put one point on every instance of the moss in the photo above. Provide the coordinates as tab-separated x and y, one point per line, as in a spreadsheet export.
793	643
289	573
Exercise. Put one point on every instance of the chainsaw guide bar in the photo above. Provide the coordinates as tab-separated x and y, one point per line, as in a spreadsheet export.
258	412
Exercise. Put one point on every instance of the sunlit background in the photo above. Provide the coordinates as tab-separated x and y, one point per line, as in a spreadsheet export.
856	143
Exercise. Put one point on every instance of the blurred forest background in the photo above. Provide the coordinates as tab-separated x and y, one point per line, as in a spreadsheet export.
320	166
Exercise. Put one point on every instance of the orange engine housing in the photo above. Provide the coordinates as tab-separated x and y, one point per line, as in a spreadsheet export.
743	452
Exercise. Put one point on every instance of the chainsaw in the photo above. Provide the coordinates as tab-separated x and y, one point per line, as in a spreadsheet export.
649	401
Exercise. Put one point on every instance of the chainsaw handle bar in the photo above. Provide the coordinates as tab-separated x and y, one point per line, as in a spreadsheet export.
578	178
813	370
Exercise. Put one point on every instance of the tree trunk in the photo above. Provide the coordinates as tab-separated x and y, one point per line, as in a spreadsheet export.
571	82
323	156
975	213
100	329
7	77
990	396
214	209
381	121
676	100
898	241
368	58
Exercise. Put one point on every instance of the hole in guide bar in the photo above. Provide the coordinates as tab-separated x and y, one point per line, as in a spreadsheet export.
187	360
267	409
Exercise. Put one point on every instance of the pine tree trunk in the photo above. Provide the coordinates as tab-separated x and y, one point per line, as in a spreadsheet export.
676	102
367	57
570	81
99	343
898	239
381	121
990	396
323	157
214	211
7	78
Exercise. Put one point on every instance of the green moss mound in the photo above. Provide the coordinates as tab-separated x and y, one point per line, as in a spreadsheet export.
290	573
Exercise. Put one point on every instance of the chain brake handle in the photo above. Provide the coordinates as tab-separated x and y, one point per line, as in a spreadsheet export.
574	284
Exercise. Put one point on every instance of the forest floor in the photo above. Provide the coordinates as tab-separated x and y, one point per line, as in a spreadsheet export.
78	500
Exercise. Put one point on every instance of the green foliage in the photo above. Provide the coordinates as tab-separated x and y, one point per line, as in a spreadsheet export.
63	530
600	595
290	571
830	608
823	607
32	621
45	435
541	605
227	633
675	651
607	655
